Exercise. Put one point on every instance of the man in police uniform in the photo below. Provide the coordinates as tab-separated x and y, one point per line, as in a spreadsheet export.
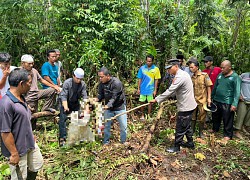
202	93
183	88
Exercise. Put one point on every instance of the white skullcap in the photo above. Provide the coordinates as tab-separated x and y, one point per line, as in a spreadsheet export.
79	73
27	58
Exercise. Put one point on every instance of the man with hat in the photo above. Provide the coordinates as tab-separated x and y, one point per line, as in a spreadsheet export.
182	62
35	94
212	71
183	88
73	90
202	93
5	69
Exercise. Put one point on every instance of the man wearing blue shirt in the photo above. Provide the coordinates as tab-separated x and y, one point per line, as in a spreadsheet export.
50	70
148	76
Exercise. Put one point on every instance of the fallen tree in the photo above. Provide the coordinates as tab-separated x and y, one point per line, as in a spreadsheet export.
152	128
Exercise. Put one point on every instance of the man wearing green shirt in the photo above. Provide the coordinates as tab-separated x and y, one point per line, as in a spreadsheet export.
225	95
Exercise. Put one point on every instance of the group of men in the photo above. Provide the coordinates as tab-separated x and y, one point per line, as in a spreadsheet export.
194	90
218	89
20	95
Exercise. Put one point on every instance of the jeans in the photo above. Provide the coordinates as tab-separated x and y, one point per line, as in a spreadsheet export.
122	122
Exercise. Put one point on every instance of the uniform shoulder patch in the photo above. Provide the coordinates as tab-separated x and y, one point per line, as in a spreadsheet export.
204	73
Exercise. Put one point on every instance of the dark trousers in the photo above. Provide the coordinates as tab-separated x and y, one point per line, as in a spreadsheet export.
223	112
63	119
183	127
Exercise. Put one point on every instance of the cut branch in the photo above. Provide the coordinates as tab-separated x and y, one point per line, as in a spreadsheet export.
152	128
43	114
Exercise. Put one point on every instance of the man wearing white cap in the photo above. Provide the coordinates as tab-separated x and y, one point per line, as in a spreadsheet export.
73	90
35	94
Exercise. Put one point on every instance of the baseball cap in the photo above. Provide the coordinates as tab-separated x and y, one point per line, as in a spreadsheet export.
208	58
171	62
192	60
79	73
27	58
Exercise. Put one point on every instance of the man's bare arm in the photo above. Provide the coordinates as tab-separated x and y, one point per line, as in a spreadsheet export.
9	142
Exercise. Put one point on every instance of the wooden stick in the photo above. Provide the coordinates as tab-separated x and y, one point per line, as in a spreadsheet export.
43	114
128	111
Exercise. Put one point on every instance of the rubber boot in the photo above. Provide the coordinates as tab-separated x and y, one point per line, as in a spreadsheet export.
193	123
201	127
31	175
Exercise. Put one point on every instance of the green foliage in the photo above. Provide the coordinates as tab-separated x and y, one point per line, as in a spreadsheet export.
4	170
165	134
114	33
101	33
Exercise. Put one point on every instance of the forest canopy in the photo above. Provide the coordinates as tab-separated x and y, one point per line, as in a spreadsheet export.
119	33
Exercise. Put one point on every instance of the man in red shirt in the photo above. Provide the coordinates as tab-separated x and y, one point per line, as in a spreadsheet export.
212	71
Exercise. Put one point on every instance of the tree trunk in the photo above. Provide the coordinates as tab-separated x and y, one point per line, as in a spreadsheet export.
237	27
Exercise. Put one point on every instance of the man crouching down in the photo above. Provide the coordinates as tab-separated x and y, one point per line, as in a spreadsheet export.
18	143
183	88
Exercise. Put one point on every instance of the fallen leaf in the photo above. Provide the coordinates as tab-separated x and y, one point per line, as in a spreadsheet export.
222	142
226	174
172	137
161	178
176	164
157	158
199	156
153	161
201	141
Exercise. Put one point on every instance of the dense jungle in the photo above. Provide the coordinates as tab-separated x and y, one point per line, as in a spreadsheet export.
119	34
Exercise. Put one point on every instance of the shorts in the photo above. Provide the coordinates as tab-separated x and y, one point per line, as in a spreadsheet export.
143	98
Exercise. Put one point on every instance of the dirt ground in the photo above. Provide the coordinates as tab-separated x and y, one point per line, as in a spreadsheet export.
211	159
